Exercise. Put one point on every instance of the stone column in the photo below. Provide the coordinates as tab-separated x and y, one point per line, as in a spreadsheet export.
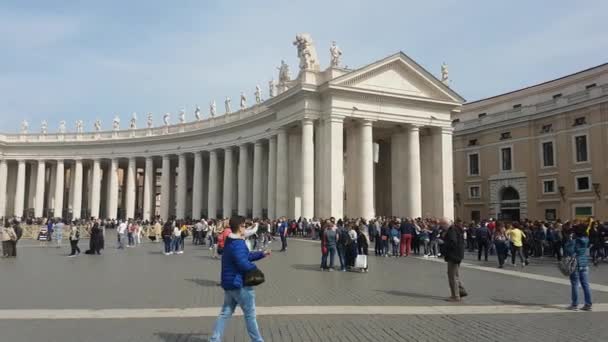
39	197
308	169
413	175
3	180
258	150
213	186
59	188
242	181
149	189
165	188
443	172
333	172
281	176
272	176
366	170
95	188
182	184
113	189
130	189
77	203
399	168
197	186
228	181
20	189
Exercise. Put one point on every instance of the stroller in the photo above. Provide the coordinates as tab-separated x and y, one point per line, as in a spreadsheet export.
43	235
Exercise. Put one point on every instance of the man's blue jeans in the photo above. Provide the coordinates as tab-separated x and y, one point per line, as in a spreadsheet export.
342	257
121	240
580	275
245	298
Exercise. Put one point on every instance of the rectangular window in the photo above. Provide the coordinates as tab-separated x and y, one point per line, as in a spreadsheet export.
549	186
580	144
583	212
589	86
474	191
580	121
557	96
505	159
517	106
550	214
583	183
474	164
546	128
472	142
475	215
547	148
481	115
505	135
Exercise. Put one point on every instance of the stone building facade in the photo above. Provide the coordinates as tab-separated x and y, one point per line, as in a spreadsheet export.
540	152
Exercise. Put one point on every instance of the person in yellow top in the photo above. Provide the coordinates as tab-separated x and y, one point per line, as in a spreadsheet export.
516	236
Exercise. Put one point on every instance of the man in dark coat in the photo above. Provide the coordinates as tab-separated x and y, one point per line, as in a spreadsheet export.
453	252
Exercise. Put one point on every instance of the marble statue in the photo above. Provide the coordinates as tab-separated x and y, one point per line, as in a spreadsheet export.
306	52
227	105
166	118
284	74
62	126
335	54
44	127
149	121
197	113
97	125
444	73
79	126
116	123
133	124
182	116
258	94
24	126
212	108
271	88
243	103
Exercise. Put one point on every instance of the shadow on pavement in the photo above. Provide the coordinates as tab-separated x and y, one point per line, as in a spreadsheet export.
306	267
205	282
412	294
517	302
173	337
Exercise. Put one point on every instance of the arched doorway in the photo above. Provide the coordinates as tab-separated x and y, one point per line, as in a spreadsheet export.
509	204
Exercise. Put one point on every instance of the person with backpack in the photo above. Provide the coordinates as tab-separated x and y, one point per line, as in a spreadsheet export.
394	237
237	263
577	248
74	238
343	242
453	253
483	241
167	234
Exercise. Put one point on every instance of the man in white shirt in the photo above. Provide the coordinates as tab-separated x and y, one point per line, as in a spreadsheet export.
121	230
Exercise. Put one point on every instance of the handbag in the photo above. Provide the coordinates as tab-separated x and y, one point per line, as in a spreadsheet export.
567	265
254	277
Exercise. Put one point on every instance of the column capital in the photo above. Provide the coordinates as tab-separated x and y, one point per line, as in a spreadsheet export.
413	127
258	143
308	121
366	122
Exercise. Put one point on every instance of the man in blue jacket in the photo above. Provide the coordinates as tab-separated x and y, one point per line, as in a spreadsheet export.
236	262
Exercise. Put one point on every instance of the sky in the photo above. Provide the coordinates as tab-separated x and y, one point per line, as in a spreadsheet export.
70	60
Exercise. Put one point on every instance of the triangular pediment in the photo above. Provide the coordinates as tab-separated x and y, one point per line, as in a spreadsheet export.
399	75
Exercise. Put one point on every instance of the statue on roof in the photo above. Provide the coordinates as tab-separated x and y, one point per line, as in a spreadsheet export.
258	94
271	88
335	54
44	127
182	116
97	125
62	126
444	74
79	126
133	124
306	52
227	105
149	121
116	123
25	126
212	108
243	102
166	119
284	74
197	113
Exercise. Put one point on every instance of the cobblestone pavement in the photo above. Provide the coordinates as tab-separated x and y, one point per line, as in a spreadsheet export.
43	278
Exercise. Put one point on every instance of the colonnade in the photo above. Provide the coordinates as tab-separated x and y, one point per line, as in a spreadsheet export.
304	170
